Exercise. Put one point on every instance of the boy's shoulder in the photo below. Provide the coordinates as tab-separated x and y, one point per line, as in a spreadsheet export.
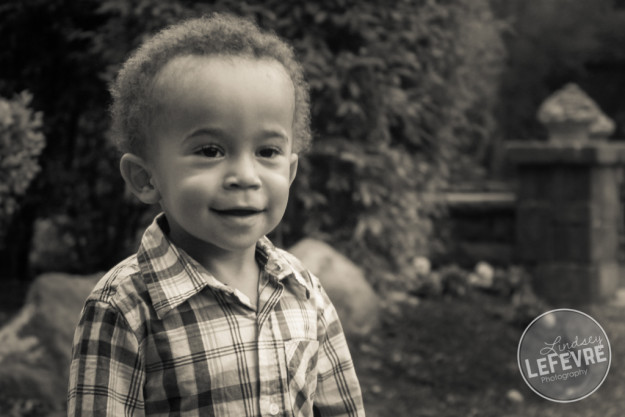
120	283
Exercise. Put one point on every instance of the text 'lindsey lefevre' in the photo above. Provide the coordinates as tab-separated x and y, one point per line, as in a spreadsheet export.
567	356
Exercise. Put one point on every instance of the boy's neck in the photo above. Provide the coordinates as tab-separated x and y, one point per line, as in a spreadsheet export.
232	267
237	269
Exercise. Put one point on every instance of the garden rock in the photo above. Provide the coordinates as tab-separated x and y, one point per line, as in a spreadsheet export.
356	303
35	345
514	396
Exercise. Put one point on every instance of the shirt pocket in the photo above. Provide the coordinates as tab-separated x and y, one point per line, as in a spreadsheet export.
301	361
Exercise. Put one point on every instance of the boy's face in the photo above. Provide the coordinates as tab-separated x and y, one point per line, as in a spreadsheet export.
220	154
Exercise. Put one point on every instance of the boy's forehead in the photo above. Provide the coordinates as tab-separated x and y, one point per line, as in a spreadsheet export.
185	66
193	90
216	75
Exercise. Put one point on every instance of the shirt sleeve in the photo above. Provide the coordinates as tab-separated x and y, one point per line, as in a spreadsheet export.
106	372
338	391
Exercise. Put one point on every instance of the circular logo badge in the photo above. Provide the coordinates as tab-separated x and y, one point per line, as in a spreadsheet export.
564	355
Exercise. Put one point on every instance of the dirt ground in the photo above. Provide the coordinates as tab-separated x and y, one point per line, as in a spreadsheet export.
453	356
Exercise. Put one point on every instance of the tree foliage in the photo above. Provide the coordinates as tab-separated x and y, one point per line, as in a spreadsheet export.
21	142
49	49
401	98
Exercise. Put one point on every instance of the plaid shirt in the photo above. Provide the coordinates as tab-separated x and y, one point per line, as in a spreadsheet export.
160	336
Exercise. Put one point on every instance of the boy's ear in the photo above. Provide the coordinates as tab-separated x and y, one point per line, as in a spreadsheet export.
138	178
293	167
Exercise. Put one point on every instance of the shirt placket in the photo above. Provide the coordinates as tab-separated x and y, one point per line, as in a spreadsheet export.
271	357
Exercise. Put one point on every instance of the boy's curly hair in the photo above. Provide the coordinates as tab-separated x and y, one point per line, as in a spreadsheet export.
217	34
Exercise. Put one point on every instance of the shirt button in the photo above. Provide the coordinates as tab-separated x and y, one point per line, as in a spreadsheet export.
274	409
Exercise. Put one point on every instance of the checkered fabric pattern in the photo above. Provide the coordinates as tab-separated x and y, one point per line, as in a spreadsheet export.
160	336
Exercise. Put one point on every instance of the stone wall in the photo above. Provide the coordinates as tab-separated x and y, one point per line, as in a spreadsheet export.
569	215
480	227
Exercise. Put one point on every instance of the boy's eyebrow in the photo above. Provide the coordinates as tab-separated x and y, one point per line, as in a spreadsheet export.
207	131
274	133
221	134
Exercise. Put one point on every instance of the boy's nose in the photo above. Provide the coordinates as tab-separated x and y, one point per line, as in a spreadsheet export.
242	174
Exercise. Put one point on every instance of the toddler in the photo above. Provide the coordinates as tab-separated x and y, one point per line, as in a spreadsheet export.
208	318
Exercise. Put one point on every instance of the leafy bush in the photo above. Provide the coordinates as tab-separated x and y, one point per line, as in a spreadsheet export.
21	142
400	102
402	93
52	50
401	97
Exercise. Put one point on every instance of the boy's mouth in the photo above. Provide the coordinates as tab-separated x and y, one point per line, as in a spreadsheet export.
238	212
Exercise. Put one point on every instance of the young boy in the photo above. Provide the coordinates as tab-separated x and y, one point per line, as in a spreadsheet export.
209	318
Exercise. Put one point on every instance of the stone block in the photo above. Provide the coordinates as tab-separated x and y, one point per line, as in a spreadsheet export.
563	284
571	243
548	153
574	214
534	182
607	209
584	243
608	280
534	228
607	215
570	216
604	244
357	304
571	183
573	284
605	185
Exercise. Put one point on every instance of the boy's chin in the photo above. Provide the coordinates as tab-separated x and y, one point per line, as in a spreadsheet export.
234	244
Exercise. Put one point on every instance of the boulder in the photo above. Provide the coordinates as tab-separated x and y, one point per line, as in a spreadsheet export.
356	303
35	345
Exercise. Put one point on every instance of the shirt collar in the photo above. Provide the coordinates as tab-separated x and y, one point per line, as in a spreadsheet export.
172	276
283	266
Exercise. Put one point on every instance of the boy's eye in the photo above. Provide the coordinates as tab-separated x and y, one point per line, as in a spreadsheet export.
210	151
269	152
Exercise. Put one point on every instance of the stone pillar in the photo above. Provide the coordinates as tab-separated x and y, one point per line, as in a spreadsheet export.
568	212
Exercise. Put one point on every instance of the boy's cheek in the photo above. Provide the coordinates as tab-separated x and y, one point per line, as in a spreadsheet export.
293	163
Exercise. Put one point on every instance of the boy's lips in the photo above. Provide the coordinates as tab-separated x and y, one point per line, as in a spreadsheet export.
238	211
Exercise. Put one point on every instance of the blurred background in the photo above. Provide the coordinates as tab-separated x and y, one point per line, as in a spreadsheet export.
413	103
409	99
